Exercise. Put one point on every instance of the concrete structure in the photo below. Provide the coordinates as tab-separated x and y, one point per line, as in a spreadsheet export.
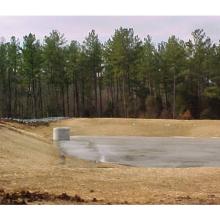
61	134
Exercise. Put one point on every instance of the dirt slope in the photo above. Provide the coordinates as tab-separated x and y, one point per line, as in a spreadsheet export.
32	167
139	127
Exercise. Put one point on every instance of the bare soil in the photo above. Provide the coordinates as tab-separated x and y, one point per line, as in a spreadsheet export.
32	171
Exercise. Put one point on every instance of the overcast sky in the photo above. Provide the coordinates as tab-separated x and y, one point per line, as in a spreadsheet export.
77	27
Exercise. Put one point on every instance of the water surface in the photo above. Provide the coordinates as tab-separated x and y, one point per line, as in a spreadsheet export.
146	151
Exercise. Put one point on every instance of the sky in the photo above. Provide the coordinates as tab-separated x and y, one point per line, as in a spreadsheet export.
78	27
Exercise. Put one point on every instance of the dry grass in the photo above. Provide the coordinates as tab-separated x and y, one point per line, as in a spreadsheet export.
131	127
28	163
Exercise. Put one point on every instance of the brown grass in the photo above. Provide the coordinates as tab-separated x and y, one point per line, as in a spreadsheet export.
29	163
130	127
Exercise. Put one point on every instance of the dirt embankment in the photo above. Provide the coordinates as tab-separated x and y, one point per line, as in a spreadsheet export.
130	127
31	171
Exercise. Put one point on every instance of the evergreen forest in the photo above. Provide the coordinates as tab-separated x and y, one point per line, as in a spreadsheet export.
123	77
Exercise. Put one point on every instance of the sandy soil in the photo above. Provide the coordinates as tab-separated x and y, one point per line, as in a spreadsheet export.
32	172
131	127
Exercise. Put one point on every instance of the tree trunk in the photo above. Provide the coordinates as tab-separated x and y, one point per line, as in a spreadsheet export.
124	98
68	101
96	94
77	98
63	101
174	96
100	96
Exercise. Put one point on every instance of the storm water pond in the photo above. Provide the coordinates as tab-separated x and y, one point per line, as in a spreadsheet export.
146	151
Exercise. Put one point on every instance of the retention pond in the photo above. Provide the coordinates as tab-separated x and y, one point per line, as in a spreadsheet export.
146	151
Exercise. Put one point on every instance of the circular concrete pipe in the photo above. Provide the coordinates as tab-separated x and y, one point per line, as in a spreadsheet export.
61	134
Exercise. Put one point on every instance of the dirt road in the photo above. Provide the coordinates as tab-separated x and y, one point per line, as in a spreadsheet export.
31	172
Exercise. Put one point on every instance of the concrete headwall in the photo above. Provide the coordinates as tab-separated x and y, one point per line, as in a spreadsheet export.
61	134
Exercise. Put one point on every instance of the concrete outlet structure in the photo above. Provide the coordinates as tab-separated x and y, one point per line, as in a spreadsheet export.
61	134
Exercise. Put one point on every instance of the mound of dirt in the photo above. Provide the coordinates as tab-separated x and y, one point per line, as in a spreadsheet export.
28	197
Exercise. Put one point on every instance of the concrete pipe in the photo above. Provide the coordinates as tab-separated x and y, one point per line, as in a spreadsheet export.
61	134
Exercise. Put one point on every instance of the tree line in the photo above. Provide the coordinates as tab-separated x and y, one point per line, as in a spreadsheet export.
123	77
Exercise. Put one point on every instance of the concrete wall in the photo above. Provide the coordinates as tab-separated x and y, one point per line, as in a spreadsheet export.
61	134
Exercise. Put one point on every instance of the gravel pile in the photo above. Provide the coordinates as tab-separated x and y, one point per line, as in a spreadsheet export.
34	121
